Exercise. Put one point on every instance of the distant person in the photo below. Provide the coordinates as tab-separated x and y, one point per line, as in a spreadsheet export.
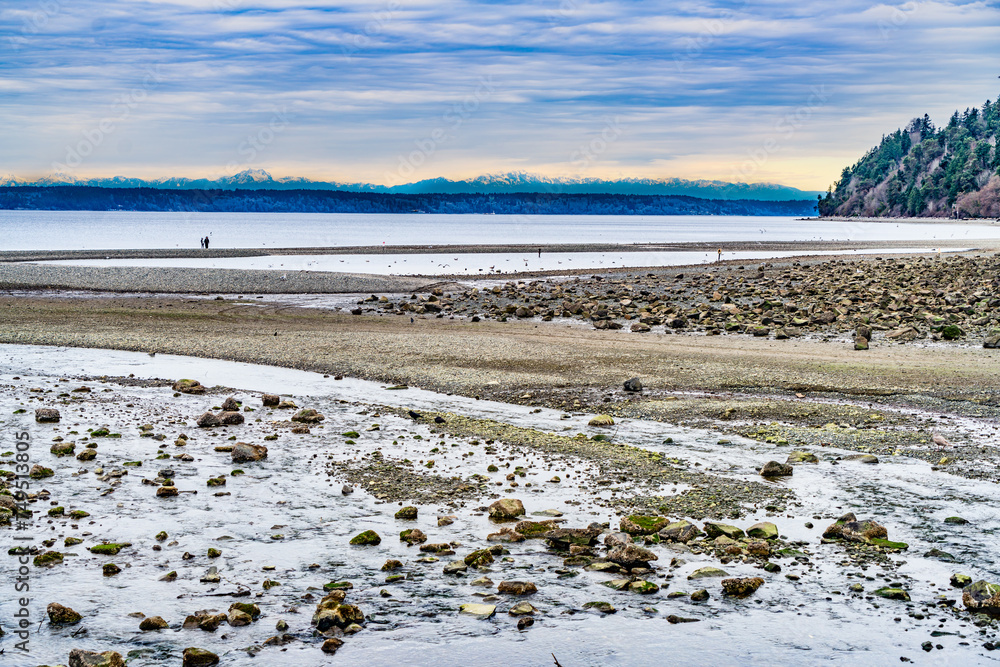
720	255
206	243
201	241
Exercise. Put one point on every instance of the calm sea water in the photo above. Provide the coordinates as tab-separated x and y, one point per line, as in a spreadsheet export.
71	230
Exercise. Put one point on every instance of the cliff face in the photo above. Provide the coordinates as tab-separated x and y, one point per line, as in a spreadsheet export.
924	171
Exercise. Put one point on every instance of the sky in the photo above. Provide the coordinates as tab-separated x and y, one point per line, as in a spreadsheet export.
393	91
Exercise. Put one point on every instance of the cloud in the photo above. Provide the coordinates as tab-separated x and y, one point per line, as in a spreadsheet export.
698	87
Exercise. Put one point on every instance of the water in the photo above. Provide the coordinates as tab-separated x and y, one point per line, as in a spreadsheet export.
471	264
784	623
76	230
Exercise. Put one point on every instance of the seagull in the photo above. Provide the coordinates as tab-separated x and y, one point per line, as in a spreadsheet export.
940	440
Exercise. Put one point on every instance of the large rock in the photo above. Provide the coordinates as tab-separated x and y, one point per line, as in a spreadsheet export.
61	615
228	418
741	587
707	573
81	658
602	421
775	469
308	416
46	415
270	400
799	456
564	538
230	405
517	587
332	611
244	452
637	524
992	340
630	556
367	538
199	657
714	529
506	509
983	597
849	529
188	387
634	384
152	623
208	420
680	531
482	611
764	530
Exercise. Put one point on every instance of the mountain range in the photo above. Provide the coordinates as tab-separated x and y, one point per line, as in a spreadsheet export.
504	183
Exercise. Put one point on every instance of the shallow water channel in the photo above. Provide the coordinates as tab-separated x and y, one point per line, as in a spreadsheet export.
289	514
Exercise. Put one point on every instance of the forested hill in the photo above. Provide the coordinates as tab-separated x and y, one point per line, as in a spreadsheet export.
952	171
85	198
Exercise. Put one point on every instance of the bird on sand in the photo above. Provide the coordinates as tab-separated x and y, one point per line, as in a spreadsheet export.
940	440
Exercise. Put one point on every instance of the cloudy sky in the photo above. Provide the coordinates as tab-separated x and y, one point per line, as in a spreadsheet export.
786	91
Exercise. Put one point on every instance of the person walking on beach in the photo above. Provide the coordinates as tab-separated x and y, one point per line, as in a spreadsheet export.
206	243
201	241
720	255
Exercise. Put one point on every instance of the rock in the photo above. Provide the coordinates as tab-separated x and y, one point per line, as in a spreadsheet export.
983	597
506	509
530	529
167	491
287	405
848	528
199	657
505	535
956	521
714	529
952	332
151	623
517	587
308	416
642	525
680	531
60	615
446	520
863	331
456	567
634	384
860	343
601	421
230	404
523	609
248	608
332	611
699	595
391	564
992	340
758	548
674	619
482	611
231	418
479	558
188	387
937	554
330	645
244	452
208	420
238	618
801	457
763	531
601	606
707	573
960	580
870	459
412	536
367	538
775	469
890	593
631	555
46	415
563	538
108	548
81	658
408	513
40	472
643	587
270	400
741	587
110	570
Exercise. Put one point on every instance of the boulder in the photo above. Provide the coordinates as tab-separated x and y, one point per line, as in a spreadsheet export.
505	535
61	615
849	529
982	597
680	531
367	538
230	405
270	400
707	573
992	340
601	421
764	530
244	452
199	657
188	387
741	587
412	536
482	611
308	416
801	457
151	623
634	384
714	529
81	658
46	415
479	558
775	469
331	644
208	420
332	611
637	524
408	513
506	509
517	587
630	556
230	418
531	529
563	538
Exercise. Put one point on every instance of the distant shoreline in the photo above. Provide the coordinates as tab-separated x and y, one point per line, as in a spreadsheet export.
957	221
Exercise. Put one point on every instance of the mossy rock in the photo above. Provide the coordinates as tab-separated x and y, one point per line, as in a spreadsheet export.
638	524
40	472
217	481
72	541
351	434
338	586
110	570
714	529
79	514
764	530
48	559
56	511
63	448
799	456
890	593
602	421
408	513
248	608
479	558
109	548
643	587
889	544
952	332
367	538
188	386
601	606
